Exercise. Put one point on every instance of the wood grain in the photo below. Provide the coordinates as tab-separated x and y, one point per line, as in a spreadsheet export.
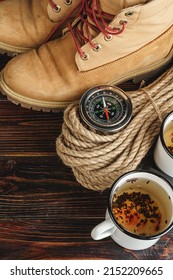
44	212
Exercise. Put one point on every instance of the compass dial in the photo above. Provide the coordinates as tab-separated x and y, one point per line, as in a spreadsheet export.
108	113
105	108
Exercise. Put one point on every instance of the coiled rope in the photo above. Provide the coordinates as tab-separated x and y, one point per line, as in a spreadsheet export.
96	159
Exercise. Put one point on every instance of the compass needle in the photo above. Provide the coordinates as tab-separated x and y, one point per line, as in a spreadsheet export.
105	109
106	113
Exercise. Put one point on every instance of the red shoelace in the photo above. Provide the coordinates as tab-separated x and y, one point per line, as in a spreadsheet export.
56	8
92	17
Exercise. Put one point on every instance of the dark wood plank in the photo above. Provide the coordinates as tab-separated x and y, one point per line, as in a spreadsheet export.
44	212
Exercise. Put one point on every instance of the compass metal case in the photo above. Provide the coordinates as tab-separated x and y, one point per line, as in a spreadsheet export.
105	108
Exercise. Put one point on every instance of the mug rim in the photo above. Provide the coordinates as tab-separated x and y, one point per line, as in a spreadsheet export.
142	237
161	135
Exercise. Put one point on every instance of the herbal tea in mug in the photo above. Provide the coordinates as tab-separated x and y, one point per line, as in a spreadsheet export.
137	209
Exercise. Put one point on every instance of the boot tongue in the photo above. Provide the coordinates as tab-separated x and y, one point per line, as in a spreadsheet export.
115	6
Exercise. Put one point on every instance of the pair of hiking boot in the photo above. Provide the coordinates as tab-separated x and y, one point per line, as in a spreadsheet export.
100	42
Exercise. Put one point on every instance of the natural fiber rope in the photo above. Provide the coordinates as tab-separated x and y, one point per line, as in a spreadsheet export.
96	159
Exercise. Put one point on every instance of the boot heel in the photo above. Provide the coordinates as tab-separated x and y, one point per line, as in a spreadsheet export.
153	74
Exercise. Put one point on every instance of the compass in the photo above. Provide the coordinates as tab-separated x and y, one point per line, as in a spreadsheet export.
105	108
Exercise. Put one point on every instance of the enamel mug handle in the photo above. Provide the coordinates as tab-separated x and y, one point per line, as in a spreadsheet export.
103	230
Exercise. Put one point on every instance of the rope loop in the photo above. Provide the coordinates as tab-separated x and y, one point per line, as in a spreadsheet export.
98	160
154	105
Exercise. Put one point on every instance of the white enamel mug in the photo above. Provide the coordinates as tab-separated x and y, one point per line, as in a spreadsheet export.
162	156
160	188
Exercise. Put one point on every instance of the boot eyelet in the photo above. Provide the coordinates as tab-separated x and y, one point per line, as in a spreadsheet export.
68	2
97	47
85	56
123	21
130	13
57	9
108	38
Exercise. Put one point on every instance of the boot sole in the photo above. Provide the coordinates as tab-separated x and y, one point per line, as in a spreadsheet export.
12	50
137	76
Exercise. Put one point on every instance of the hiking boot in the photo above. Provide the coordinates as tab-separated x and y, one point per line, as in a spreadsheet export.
98	49
25	24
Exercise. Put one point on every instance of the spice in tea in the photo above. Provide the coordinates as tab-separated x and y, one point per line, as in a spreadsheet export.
137	212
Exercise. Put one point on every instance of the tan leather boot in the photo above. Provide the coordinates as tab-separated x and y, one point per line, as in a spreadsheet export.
25	24
137	41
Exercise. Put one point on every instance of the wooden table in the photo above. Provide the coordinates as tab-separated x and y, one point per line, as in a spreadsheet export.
44	212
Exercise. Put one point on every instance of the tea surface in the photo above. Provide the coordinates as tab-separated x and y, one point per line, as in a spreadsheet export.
138	212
